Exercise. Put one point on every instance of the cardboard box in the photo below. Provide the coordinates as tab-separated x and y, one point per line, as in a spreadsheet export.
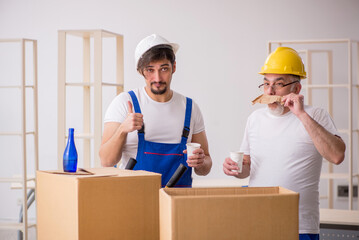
108	204
229	213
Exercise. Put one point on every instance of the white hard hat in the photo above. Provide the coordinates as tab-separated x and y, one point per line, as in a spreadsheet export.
149	42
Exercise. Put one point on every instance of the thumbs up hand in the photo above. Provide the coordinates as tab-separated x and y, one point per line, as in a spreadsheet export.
133	121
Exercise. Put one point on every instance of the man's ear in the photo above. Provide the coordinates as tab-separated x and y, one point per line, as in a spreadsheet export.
174	67
297	88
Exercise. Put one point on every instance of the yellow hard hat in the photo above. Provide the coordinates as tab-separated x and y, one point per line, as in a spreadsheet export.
284	60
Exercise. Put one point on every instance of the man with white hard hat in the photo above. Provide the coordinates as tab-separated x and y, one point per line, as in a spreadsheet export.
153	124
285	142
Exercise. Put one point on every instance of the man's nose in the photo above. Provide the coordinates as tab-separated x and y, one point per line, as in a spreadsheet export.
270	90
157	76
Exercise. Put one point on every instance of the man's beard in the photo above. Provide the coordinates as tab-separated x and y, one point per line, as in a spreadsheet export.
277	111
159	91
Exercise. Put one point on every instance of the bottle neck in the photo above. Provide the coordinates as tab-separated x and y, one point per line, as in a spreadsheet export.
71	133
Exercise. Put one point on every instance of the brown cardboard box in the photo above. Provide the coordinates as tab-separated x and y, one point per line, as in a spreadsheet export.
109	204
229	213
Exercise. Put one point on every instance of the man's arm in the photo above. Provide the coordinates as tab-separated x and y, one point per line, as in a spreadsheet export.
331	147
201	161
113	140
114	137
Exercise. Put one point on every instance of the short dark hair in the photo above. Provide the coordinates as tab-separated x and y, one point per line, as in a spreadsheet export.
156	53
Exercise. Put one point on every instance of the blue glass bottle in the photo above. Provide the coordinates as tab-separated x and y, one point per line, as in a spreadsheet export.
70	154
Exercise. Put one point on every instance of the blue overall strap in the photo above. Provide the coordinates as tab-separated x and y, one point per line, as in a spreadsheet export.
141	132
135	102
187	121
136	105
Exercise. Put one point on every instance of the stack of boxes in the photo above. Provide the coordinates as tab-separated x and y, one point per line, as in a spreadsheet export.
108	203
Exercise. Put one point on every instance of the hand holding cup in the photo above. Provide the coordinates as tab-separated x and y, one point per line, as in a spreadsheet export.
195	155
238	158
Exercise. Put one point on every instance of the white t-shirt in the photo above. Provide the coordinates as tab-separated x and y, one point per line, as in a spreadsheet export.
283	154
164	121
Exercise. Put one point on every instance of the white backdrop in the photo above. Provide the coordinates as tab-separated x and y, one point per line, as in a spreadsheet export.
222	47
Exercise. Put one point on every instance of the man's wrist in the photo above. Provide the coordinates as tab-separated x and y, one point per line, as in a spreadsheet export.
202	167
121	132
302	115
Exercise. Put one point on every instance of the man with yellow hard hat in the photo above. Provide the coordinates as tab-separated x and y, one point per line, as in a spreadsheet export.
285	142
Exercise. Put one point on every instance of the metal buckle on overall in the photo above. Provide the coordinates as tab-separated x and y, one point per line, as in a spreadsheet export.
142	130
185	132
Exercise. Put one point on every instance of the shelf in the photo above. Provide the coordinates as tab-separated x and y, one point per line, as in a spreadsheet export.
16	40
90	33
17	86
82	135
16	179
86	84
313	41
14	226
334	176
30	185
15	133
342	217
326	86
79	84
19	181
18	184
92	87
112	84
346	131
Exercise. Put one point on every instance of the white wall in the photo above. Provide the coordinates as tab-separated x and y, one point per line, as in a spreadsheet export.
222	47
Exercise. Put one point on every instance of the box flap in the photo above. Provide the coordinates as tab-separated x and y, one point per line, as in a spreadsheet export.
103	172
79	171
120	172
231	191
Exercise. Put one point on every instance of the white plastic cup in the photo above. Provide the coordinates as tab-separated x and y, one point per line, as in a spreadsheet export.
238	158
191	147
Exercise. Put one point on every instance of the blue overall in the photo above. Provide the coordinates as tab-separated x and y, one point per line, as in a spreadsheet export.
164	158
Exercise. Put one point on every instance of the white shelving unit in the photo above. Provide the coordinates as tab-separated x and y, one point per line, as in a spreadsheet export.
24	182
330	214
97	84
